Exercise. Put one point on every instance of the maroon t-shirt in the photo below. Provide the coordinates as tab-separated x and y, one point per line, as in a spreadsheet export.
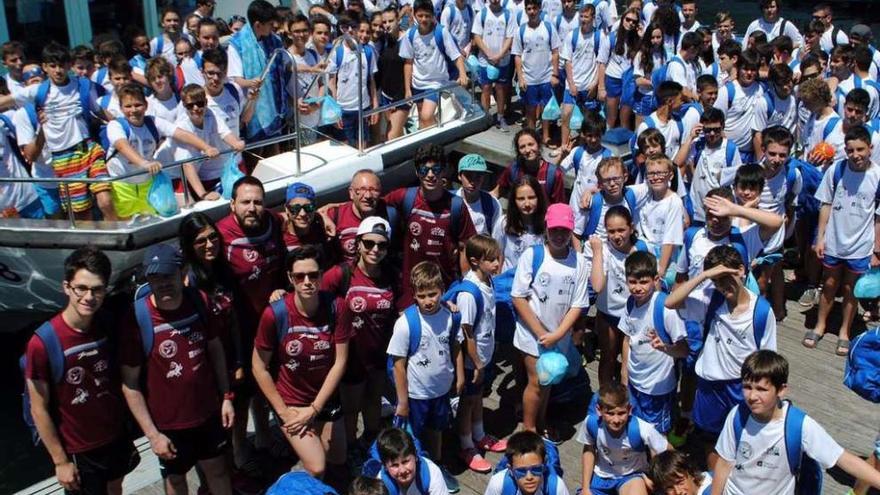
316	237
181	389
367	309
347	223
306	353
87	404
557	195
429	236
256	262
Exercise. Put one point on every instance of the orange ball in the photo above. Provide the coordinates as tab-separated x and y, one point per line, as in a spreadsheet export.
823	151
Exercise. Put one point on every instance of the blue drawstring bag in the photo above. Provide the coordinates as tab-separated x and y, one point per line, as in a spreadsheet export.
552	367
231	174
299	483
492	73
577	118
868	285
472	63
551	110
161	195
331	112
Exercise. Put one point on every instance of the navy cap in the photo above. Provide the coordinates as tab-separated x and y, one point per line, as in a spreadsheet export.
162	259
300	190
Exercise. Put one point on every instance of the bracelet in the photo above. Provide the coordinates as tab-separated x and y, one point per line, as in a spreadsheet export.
314	408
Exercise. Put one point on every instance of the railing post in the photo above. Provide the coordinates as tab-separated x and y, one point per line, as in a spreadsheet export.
297	97
360	111
70	214
186	196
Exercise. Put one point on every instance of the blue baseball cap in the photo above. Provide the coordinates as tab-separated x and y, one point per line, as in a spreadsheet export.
162	259
300	190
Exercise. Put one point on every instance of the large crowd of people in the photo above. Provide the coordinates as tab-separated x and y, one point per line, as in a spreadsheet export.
313	321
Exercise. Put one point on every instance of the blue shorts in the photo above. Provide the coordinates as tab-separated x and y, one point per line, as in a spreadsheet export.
33	211
644	105
385	100
49	198
582	100
613	86
537	95
430	95
506	73
471	388
714	399
611	486
612	320
431	414
655	409
350	126
860	265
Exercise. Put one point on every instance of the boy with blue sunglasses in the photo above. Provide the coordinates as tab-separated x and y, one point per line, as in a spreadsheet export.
527	471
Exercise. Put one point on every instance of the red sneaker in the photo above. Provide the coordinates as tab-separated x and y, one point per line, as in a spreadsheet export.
491	444
475	461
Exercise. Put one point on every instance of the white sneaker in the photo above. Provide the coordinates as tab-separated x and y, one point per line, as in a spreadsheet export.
387	408
810	297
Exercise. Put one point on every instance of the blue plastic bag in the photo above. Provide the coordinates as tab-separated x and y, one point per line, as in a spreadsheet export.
551	110
231	174
472	63
161	195
552	367
331	111
868	285
492	73
577	118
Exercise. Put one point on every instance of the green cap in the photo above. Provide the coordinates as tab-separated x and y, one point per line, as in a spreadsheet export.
472	163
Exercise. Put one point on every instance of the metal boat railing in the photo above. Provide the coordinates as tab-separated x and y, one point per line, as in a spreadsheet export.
461	95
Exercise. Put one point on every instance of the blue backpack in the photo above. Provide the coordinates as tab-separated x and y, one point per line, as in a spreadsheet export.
282	324
633	430
505	314
438	40
8	128
657	316
339	53
84	87
759	325
549	184
299	483
592	221
579	155
149	123
811	177
862	373
487	206
145	319
522	34
459	286
808	473
46	333
730	152
576	34
839	169
661	74
414	323
735	239
455	210
485	12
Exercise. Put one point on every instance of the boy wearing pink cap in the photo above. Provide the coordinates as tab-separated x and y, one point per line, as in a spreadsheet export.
549	293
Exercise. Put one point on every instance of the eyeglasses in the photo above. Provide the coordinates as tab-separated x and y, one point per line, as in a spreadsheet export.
712	130
657	174
80	291
612	180
369	245
434	169
300	277
365	190
195	104
295	209
213	237
522	472
807	77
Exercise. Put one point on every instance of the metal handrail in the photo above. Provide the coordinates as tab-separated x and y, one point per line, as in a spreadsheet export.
405	101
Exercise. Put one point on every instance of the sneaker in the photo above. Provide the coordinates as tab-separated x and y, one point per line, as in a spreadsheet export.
502	125
551	435
387	408
492	444
810	297
475	461
452	485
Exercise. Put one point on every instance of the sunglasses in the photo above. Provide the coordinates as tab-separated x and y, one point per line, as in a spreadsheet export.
295	209
195	104
369	245
630	19
712	130
424	169
522	472
213	237
300	277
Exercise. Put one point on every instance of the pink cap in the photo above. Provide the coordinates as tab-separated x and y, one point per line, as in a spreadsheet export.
559	215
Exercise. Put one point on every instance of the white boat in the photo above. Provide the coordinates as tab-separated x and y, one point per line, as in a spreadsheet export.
32	252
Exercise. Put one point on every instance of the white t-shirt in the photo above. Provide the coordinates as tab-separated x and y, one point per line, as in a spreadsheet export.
513	246
143	143
612	300
297	87
738	117
169	109
104	82
234	66
773	198
850	230
691	261
784	113
551	8
430	371
731	338
496	485
711	170
615	65
25	134
615	456
651	371
662	222
814	133
429	65
564	26
672	131
606	14
535	46
167	49
761	459
640	192
683	72
584	56
18	195
213	132
659	60
66	125
497	28
462	21
192	73
438	483
228	108
13	85
484	333
347	82
826	43
850	83
479	218
559	285
774	29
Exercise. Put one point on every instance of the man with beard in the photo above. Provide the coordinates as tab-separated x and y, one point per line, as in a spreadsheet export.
74	394
254	249
365	193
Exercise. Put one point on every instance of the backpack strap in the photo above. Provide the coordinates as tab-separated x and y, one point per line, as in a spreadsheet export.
234	91
338	56
759	321
593	218
105	101
739	243
575	34
689	236
279	310
649	121
634	434
629	197
835	32
839	168
790	180
537	260
592	426
456	210
415	328
730	153
576	161
794	435
771	104
409	200
54	350
423	481
740	418
31	112
549	28
345	282
641	246
829	127
392	217
487	204
550	181
42	94
160	44
144	318
84	86
597	40
522	36
711	311
483	14
731	93
438	40
150	123
659	320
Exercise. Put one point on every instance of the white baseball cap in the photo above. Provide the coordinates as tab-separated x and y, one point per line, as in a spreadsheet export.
374	225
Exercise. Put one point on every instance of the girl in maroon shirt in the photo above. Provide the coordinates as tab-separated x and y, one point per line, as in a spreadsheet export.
365	292
306	353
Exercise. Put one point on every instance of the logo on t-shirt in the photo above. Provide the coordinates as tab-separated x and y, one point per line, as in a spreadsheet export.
415	228
544	279
250	255
358	304
80	396
100	366
349	246
176	370
383	304
75	375
168	349
745	450
293	348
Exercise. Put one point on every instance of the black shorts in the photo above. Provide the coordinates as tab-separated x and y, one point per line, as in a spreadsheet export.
99	466
199	443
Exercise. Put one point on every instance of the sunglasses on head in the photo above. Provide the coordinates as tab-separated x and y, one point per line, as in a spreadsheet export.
369	245
522	472
300	277
424	169
295	209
